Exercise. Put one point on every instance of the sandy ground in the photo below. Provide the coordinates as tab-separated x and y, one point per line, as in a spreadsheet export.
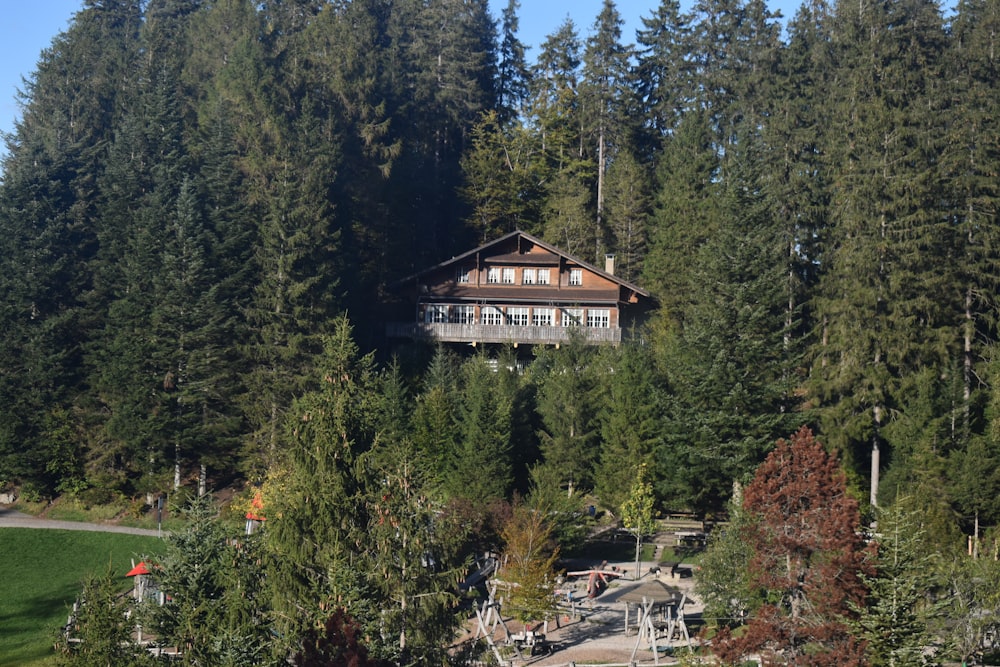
598	635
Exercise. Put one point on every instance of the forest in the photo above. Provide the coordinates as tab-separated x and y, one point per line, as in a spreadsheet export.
205	203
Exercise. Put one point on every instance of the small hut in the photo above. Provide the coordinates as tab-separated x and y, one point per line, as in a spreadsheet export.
144	586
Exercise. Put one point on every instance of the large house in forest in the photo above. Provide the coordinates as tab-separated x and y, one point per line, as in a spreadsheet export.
519	289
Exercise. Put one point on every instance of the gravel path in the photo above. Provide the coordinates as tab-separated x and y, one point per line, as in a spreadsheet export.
10	518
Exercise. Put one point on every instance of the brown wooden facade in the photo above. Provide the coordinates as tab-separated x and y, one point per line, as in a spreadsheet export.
520	290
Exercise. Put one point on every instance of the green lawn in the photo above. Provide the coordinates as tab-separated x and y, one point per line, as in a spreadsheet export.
41	575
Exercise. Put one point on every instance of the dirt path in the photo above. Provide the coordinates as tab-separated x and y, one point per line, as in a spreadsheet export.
10	518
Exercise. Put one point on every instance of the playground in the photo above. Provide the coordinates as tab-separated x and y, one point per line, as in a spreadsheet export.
605	617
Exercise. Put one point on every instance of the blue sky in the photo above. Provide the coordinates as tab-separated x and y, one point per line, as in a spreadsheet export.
29	27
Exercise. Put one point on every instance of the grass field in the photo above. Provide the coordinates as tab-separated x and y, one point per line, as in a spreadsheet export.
41	572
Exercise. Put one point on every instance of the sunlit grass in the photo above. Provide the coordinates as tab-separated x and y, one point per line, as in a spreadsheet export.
43	571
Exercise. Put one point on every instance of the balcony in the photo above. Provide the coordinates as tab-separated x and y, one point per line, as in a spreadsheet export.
504	333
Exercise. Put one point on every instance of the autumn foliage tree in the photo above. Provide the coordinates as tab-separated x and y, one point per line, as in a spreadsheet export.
529	562
807	560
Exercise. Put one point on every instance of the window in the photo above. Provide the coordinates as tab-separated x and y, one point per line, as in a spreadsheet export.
491	315
529	276
517	317
572	317
543	276
599	318
463	314
541	317
576	276
436	313
508	276
493	275
462	275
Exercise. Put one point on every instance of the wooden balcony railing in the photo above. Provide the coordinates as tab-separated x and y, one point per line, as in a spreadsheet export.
505	333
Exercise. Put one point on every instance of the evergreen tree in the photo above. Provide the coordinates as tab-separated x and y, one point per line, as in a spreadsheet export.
686	213
513	76
503	182
971	151
567	383
662	73
604	92
630	421
894	624
102	628
730	368
807	559
628	207
215	611
880	311
411	560
316	510
434	425
481	468
50	221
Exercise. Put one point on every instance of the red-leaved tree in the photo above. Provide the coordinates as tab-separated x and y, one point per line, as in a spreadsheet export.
807	556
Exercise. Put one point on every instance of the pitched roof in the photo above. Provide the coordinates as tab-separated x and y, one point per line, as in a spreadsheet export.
523	259
139	569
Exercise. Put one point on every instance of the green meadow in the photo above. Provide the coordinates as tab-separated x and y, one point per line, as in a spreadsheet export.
41	573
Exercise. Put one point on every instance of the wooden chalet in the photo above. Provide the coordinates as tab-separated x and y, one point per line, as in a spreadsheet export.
519	289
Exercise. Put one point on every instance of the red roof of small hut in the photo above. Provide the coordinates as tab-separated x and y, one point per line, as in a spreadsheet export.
141	568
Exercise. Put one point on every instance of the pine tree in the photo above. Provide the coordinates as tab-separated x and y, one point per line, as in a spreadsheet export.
215	611
410	557
662	73
630	421
729	364
894	624
567	395
503	179
686	213
481	468
808	558
513	76
434	425
627	207
880	311
316	509
605	97
102	628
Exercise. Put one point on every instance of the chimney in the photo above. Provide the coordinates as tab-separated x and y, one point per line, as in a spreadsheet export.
609	264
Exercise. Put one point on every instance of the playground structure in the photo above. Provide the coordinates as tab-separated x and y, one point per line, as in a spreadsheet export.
655	620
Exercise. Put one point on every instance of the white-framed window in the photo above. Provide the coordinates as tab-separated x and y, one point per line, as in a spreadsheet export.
542	317
491	315
543	276
517	316
493	275
463	315
572	317
435	313
576	276
599	318
462	275
529	276
508	275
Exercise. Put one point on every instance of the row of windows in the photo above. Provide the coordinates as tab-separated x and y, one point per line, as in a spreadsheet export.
519	316
508	276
